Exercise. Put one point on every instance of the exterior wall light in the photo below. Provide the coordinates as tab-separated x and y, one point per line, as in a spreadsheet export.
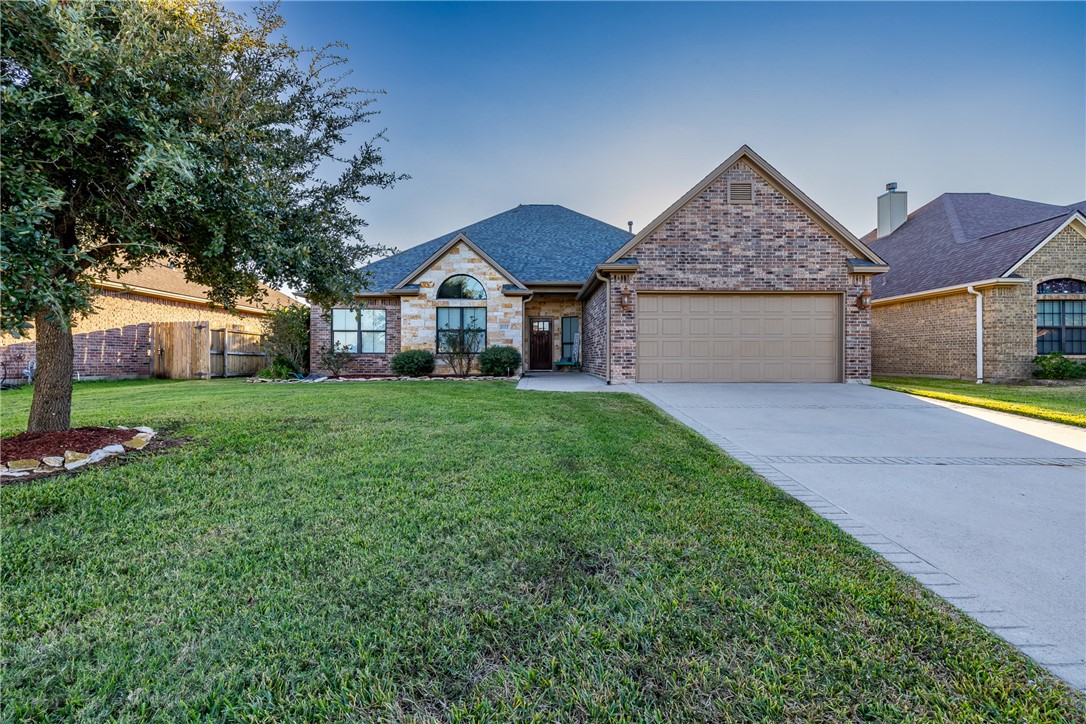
863	300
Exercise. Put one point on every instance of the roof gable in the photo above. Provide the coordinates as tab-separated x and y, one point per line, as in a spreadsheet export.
774	179
959	239
531	243
441	252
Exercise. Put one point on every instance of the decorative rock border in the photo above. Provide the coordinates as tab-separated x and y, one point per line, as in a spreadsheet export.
73	460
436	378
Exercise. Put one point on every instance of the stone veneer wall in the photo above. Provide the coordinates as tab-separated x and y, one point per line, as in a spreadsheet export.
594	333
553	307
504	315
936	337
770	245
320	338
115	342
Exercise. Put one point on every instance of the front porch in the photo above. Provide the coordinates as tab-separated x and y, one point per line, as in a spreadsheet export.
553	338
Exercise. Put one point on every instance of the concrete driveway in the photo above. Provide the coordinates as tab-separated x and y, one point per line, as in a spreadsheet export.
988	516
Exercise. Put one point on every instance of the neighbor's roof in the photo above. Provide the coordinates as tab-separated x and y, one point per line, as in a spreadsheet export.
533	242
963	238
161	277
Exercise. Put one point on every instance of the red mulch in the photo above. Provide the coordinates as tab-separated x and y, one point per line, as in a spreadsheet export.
42	444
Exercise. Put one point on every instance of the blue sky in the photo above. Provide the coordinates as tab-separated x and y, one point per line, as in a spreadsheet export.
616	109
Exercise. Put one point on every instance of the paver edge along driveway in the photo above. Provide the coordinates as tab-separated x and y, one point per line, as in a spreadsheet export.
804	429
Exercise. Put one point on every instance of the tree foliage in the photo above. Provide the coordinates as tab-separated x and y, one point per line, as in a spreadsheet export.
135	131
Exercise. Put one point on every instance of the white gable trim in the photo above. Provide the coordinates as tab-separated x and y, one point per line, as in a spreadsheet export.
458	239
1076	219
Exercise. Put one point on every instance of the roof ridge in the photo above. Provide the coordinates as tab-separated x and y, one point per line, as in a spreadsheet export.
1025	226
955	222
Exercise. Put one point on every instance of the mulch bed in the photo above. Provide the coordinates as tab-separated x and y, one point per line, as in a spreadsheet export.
40	444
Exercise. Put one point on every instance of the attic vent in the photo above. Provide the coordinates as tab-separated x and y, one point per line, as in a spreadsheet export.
740	192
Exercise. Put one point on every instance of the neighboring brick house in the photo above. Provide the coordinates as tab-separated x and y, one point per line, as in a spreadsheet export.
978	286
743	279
116	341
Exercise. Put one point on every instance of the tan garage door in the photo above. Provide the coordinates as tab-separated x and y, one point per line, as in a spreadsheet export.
738	337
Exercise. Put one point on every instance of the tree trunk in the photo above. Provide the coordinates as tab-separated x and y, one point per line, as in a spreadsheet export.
51	407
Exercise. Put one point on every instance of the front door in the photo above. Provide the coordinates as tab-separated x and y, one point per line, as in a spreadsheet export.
539	347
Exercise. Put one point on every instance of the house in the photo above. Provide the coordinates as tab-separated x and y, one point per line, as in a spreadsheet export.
744	278
116	342
978	285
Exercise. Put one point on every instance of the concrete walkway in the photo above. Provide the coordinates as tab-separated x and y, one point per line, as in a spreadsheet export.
566	382
990	517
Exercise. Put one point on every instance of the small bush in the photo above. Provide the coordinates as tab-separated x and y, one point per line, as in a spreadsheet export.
413	363
335	358
1054	366
499	361
286	335
280	369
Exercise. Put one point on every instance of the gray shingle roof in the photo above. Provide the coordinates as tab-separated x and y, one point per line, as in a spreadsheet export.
533	242
962	238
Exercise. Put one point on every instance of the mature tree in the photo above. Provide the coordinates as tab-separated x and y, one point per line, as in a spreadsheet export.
135	131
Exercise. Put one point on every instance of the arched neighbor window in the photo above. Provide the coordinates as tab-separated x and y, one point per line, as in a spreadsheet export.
1062	286
461	286
1061	323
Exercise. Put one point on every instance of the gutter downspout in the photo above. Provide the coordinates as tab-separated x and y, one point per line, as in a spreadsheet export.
607	334
523	319
980	332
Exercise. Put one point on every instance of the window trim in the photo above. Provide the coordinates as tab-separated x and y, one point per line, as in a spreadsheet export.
358	331
438	330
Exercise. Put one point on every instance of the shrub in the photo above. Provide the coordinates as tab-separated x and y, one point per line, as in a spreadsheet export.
499	360
335	358
280	369
286	334
1054	366
413	363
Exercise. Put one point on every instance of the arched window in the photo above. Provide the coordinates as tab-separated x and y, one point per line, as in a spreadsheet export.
1062	286
461	286
1061	323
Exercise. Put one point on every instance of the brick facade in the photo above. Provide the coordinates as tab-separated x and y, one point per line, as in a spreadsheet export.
770	245
936	336
116	341
594	333
320	339
1010	343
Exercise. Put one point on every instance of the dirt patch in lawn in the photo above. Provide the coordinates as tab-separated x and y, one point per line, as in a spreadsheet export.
37	445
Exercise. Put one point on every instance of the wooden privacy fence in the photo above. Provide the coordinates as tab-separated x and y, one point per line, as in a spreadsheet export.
193	350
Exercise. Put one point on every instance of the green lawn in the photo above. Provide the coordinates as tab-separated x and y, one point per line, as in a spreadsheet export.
459	551
1058	404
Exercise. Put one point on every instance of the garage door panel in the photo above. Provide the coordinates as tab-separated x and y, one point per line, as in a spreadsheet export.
723	326
671	327
739	337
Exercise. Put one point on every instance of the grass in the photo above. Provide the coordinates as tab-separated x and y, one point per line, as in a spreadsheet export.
459	551
1056	404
